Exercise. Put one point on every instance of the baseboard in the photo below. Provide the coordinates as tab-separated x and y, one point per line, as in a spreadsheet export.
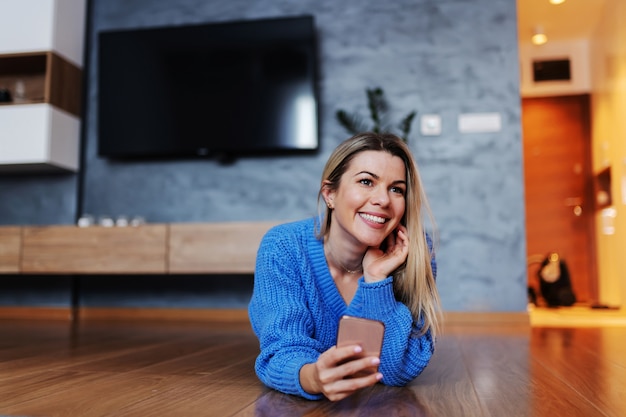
490	318
451	318
165	314
36	313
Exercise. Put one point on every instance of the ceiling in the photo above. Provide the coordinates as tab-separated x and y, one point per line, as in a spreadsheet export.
573	19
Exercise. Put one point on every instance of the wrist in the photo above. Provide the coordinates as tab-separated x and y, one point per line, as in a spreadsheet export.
308	379
372	278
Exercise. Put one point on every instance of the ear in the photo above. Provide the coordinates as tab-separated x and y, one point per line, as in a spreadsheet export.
328	193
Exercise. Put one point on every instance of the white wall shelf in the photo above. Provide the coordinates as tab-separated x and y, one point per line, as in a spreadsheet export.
41	46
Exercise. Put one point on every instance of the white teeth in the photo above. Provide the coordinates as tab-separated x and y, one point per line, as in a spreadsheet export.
372	218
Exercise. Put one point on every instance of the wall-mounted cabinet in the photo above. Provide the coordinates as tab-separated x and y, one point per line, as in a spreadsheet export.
38	137
41	43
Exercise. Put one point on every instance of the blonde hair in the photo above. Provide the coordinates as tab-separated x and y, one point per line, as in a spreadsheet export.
414	281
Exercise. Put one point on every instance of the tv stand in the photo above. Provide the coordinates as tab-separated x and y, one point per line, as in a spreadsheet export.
176	248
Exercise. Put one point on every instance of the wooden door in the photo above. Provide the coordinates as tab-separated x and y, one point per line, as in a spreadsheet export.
559	195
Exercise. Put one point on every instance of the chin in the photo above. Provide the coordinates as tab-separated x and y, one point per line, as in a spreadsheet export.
372	242
372	237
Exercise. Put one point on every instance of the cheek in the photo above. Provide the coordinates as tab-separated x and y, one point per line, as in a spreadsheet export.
399	212
400	207
354	199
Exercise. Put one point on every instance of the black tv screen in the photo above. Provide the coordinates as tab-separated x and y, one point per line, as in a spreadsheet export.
234	88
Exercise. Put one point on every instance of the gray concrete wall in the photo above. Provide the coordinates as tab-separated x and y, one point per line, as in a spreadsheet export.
446	57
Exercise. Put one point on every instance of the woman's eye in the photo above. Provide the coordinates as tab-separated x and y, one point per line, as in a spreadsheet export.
397	190
365	181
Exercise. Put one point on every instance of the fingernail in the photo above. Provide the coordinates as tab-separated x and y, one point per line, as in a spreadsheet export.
358	349
379	376
375	361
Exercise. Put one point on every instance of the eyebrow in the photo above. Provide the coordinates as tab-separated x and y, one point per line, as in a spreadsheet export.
377	177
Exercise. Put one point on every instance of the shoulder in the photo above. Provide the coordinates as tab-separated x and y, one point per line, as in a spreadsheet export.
431	249
429	242
289	236
289	247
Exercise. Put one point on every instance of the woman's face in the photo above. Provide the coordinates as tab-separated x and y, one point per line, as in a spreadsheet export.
370	200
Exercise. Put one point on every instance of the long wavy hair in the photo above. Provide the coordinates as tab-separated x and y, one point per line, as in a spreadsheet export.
414	281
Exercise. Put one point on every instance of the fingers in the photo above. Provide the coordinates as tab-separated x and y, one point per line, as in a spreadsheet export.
342	371
378	264
343	388
397	241
334	356
357	374
402	238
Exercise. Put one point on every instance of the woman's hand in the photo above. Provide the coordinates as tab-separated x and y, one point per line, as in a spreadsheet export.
334	372
379	264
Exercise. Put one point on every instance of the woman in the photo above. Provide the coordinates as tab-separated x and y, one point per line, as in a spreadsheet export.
368	256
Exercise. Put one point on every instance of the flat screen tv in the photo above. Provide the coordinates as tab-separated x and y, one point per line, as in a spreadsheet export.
221	89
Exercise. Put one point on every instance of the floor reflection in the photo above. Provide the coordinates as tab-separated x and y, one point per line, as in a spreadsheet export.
376	401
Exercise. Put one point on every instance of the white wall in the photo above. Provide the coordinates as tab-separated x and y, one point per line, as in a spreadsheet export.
608	58
577	51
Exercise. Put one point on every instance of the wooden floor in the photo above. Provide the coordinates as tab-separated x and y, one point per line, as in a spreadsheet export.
200	369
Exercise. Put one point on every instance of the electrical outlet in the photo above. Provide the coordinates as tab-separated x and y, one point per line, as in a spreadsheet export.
430	124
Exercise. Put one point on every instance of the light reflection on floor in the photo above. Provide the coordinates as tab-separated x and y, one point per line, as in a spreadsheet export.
576	316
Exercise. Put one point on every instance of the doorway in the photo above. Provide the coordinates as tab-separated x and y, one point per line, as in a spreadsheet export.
559	189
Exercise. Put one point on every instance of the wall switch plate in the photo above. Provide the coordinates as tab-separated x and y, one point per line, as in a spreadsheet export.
430	124
480	122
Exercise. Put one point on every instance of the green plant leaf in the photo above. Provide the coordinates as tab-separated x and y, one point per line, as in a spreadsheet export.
351	122
405	125
378	107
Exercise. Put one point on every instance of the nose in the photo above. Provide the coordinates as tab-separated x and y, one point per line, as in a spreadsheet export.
381	197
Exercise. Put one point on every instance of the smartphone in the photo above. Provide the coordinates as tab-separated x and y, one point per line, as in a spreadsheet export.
364	332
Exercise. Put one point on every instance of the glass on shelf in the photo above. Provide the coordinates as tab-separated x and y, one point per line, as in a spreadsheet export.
20	91
137	221
121	221
106	221
86	220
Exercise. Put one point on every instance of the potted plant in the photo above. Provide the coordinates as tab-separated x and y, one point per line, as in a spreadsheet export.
379	115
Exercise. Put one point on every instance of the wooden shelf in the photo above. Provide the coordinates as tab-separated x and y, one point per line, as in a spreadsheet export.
215	248
10	246
94	250
46	77
184	248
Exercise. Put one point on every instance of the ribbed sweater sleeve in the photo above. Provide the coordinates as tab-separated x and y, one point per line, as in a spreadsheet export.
279	313
404	356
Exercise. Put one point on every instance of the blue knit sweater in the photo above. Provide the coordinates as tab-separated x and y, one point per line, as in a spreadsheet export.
296	307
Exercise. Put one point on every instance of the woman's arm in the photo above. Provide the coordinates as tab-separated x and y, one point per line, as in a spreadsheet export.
404	354
280	318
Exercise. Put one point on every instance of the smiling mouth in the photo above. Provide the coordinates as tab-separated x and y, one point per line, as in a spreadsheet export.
372	218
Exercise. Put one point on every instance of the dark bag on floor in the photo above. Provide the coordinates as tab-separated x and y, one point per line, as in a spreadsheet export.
554	282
